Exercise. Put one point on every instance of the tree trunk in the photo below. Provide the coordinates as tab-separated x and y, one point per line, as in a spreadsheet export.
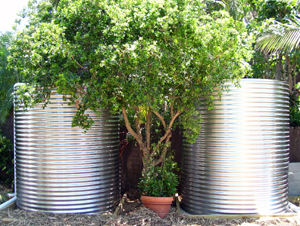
288	70
278	72
268	67
297	77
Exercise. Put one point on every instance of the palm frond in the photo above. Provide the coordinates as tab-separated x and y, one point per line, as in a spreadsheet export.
276	42
220	2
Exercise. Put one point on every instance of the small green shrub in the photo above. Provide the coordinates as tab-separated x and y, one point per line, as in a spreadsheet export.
3	198
6	159
159	181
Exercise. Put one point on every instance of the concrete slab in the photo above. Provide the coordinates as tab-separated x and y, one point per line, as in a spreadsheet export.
294	179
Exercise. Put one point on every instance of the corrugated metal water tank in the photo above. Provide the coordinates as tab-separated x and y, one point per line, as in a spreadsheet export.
239	164
59	168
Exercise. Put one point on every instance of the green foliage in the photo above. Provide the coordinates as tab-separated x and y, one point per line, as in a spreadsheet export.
149	59
115	54
7	77
6	158
241	10
238	9
280	10
3	198
277	28
159	181
54	2
281	37
279	25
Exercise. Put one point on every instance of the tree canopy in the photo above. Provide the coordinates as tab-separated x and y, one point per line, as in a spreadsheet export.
276	27
283	31
146	57
7	77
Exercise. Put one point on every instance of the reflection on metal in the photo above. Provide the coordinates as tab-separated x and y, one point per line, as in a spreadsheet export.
239	164
59	168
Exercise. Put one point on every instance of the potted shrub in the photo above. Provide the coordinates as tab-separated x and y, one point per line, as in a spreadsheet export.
158	185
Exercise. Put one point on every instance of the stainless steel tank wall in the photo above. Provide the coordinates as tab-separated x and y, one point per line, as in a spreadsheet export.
239	164
60	169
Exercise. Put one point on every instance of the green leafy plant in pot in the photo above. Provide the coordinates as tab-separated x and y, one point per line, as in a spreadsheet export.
158	185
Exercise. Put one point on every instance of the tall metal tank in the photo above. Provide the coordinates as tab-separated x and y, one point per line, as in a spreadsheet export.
60	169
239	164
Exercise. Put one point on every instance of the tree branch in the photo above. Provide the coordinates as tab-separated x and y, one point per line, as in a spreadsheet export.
160	117
179	85
148	132
289	72
294	70
79	64
166	134
137	123
130	130
165	150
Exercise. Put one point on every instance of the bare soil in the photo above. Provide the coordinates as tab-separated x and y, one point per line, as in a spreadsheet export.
132	213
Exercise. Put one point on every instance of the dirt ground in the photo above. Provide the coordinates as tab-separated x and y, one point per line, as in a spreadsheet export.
132	213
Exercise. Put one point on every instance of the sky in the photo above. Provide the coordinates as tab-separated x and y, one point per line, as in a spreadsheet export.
8	13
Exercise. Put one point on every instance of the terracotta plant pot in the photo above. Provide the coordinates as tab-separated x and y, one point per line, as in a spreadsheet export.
160	205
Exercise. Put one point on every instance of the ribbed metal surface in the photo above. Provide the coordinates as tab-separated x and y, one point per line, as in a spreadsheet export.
239	164
60	169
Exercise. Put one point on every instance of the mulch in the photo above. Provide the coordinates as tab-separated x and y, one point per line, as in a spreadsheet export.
132	213
4	188
140	216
